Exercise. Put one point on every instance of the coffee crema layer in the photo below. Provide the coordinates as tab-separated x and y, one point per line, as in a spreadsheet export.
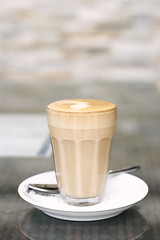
81	106
90	114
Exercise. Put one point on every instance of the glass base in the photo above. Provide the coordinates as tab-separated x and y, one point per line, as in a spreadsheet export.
81	202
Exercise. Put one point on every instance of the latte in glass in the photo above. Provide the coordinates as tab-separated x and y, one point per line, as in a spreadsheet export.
81	132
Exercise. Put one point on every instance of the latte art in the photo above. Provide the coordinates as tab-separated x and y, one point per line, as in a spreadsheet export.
79	105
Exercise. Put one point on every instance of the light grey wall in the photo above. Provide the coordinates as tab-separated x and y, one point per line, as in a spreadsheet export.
112	40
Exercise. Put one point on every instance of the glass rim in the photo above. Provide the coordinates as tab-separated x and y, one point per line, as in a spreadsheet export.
82	113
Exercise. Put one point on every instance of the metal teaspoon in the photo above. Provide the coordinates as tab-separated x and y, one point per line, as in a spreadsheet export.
53	188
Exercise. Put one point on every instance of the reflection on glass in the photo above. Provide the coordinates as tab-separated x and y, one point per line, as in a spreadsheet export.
129	225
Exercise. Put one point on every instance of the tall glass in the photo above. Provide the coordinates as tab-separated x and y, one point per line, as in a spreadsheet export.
81	132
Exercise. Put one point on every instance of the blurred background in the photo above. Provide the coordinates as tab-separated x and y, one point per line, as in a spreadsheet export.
52	50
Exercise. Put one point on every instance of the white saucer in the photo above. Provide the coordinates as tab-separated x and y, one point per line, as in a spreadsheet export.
122	191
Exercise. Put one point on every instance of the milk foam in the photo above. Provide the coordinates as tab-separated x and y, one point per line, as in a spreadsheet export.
81	105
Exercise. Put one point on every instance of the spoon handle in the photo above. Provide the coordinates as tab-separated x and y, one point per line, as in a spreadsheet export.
53	188
129	169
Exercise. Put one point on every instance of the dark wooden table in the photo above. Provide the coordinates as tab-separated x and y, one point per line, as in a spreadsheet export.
136	142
